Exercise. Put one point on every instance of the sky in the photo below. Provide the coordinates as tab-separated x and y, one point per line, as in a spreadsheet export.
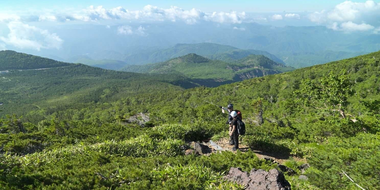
40	24
209	5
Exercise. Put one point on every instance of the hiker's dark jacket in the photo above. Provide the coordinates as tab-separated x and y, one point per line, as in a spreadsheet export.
230	118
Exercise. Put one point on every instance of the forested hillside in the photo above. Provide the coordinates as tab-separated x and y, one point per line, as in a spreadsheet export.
14	60
198	67
33	83
327	116
209	50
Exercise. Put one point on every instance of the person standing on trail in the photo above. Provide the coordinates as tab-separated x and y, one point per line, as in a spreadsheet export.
230	108
233	132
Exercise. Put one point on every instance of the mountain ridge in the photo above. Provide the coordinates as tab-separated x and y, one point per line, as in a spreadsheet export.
11	60
209	50
198	67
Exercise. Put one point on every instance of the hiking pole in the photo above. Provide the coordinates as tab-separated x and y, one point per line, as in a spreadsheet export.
352	180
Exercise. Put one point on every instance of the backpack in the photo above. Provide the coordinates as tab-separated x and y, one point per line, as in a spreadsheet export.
240	127
239	114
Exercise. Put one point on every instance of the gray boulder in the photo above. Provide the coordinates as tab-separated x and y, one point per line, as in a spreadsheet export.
238	176
259	179
201	149
141	119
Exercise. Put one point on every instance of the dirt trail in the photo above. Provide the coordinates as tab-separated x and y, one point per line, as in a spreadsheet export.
280	158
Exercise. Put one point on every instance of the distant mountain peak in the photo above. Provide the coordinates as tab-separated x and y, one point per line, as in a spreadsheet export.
192	58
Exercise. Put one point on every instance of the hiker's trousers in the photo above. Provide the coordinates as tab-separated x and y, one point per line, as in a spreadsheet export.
235	139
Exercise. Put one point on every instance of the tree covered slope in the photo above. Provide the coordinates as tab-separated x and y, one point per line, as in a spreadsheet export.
13	60
197	67
34	82
209	50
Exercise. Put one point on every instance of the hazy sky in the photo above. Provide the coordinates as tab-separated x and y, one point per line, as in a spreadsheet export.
41	24
205	5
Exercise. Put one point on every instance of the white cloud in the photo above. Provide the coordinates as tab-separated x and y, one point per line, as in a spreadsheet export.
377	30
8	17
277	17
346	16
350	11
128	30
140	31
125	30
350	26
47	18
237	28
333	26
318	17
148	13
292	15
260	19
25	36
223	17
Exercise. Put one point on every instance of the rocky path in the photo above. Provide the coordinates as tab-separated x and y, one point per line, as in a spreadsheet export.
223	145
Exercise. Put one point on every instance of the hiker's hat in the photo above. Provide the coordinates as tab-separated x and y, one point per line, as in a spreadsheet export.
233	114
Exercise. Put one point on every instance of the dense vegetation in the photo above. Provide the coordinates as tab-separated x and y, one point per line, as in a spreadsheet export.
73	85
198	67
12	60
328	115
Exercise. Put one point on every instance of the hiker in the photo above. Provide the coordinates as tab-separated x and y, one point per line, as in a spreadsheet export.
230	108
233	132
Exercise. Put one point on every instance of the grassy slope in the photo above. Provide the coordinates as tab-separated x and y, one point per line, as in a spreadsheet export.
13	60
210	50
198	67
63	84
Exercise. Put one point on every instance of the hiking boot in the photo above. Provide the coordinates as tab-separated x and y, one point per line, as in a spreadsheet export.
234	149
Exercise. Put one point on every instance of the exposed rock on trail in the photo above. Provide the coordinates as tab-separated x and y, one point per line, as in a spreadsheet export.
259	179
202	149
141	119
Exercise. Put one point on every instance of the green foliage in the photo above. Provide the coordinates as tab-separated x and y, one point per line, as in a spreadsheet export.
95	170
198	67
11	60
74	86
209	50
357	156
330	93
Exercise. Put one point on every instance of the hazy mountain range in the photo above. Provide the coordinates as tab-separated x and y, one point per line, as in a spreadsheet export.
297	46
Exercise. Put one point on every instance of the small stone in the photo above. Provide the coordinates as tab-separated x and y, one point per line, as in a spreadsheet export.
201	149
304	167
189	152
303	177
